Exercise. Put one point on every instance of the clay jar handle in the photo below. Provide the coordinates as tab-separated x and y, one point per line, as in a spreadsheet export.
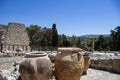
79	55
76	56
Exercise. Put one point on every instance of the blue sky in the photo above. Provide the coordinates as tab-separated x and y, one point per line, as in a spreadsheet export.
72	17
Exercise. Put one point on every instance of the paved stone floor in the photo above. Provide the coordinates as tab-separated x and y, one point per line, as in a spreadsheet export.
93	74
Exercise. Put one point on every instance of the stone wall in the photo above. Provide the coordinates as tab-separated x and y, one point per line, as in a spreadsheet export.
17	34
15	37
106	63
3	29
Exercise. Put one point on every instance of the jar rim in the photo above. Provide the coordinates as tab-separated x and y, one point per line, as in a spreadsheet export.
35	54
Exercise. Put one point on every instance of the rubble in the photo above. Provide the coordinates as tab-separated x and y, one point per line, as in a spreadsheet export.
10	74
9	68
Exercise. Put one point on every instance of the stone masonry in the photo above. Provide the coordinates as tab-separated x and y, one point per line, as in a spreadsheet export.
109	64
13	36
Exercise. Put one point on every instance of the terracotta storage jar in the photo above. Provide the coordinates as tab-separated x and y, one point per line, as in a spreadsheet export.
86	63
36	66
69	64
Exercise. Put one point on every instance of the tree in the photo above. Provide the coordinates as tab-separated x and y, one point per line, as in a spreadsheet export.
102	43
99	43
66	42
115	39
88	44
78	42
47	37
54	36
63	41
75	41
34	33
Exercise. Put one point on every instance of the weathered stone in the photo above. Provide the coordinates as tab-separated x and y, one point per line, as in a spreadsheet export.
106	63
4	74
116	65
13	36
52	56
10	78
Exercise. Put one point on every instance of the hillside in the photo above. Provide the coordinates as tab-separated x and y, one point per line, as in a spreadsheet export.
85	37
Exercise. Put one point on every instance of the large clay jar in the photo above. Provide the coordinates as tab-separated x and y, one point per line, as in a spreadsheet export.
69	64
86	63
35	66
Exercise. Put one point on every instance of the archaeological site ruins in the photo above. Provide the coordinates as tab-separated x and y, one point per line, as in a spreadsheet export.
13	36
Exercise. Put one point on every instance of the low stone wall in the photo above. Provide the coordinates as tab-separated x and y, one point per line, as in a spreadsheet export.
106	63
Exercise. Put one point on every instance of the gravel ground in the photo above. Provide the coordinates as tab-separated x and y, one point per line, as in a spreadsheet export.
7	62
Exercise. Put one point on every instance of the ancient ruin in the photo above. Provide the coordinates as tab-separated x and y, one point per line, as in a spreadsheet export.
13	36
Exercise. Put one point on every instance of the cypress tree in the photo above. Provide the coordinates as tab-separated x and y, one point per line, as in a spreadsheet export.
54	36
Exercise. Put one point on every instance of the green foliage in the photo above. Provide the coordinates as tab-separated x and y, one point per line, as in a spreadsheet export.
63	41
115	39
39	36
42	36
75	41
46	37
34	33
102	43
66	41
49	37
